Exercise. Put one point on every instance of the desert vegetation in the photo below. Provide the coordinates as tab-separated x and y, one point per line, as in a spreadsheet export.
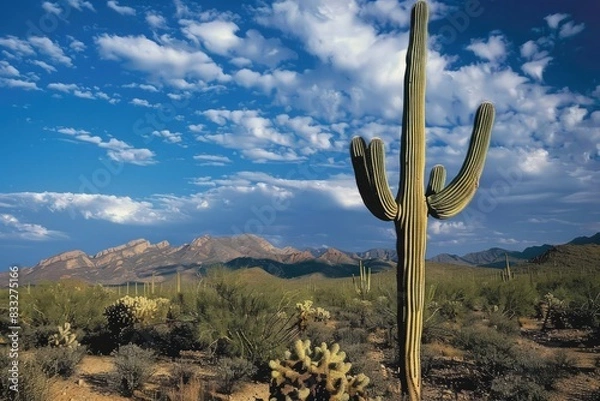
241	333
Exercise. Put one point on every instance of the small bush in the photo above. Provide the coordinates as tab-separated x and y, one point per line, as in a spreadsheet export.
33	383
184	372
190	391
59	361
133	367
516	388
232	371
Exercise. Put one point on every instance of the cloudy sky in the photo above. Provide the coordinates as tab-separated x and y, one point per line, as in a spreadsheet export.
173	119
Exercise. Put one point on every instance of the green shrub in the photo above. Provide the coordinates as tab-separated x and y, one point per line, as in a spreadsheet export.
59	361
231	372
517	388
133	367
236	321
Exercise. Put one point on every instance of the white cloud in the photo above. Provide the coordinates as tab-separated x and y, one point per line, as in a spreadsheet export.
146	87
123	10
116	149
7	69
51	8
18	46
437	227
61	87
570	29
76	45
535	69
493	50
81	91
81	4
219	37
18	83
168	136
210	160
554	19
26	231
115	209
196	127
529	49
45	66
141	102
156	21
167	62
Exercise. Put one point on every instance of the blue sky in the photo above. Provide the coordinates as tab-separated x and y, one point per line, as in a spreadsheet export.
174	119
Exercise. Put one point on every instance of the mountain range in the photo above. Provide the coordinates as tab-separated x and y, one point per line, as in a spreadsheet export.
139	260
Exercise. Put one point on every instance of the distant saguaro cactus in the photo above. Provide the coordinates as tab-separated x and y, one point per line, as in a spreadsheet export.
414	202
362	285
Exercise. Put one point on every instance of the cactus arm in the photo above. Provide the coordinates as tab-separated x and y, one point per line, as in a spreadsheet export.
437	179
371	179
456	196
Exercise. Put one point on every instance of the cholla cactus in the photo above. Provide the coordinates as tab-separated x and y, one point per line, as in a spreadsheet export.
64	337
306	311
320	374
127	311
321	314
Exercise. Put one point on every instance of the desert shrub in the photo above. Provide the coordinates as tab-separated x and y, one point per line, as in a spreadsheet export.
236	321
491	351
320	332
63	361
231	372
133	367
184	372
180	336
517	388
189	391
348	335
51	304
33	384
503	324
514	298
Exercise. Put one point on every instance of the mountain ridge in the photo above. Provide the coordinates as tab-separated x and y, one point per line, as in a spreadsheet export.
139	259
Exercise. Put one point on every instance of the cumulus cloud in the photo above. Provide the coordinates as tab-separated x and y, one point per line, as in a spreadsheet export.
570	29
219	37
116	149
168	136
51	8
554	19
170	63
13	228
492	50
7	69
123	10
80	5
115	209
81	91
18	83
156	21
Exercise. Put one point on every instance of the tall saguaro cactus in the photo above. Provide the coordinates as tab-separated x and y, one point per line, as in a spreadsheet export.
415	202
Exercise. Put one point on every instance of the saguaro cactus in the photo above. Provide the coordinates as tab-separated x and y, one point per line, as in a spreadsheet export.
362	285
414	202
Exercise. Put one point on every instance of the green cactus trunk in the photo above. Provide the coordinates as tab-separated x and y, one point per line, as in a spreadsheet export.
414	202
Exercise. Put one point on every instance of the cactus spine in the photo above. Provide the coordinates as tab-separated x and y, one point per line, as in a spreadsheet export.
413	203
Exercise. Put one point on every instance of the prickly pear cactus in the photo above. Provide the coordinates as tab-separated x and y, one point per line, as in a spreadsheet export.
64	337
317	374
